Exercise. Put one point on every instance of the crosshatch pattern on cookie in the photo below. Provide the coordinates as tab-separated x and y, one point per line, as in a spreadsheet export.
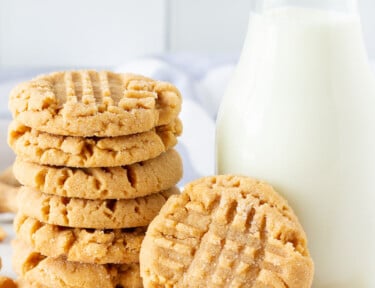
226	232
96	214
48	149
136	180
90	103
120	246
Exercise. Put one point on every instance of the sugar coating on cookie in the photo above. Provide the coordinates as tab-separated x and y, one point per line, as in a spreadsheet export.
226	231
90	103
124	182
49	149
119	246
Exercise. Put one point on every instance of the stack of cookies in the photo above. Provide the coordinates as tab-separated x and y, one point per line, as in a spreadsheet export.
96	160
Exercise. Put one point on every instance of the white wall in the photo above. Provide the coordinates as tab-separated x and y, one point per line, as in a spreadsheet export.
39	33
208	25
367	10
220	25
79	32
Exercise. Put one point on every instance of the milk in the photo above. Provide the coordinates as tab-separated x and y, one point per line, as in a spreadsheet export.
299	113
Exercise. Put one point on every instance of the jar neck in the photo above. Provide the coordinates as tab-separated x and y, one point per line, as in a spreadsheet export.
343	6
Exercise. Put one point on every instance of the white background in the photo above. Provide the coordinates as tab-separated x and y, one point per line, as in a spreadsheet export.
42	33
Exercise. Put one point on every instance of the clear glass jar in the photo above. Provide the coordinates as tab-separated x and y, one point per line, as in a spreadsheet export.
299	113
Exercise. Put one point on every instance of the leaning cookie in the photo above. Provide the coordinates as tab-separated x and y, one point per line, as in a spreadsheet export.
120	246
226	231
6	282
48	149
95	214
8	191
8	198
37	270
136	180
7	177
90	103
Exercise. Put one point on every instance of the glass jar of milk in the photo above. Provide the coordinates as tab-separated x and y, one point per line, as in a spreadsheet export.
299	113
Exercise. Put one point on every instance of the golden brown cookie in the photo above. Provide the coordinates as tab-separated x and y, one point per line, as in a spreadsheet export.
37	270
8	196
3	235
90	103
126	182
7	177
226	231
119	246
48	149
8	191
96	214
6	282
22	283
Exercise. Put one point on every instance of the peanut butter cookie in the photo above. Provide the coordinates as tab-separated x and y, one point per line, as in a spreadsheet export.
48	149
226	231
96	214
120	246
37	270
136	180
90	103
